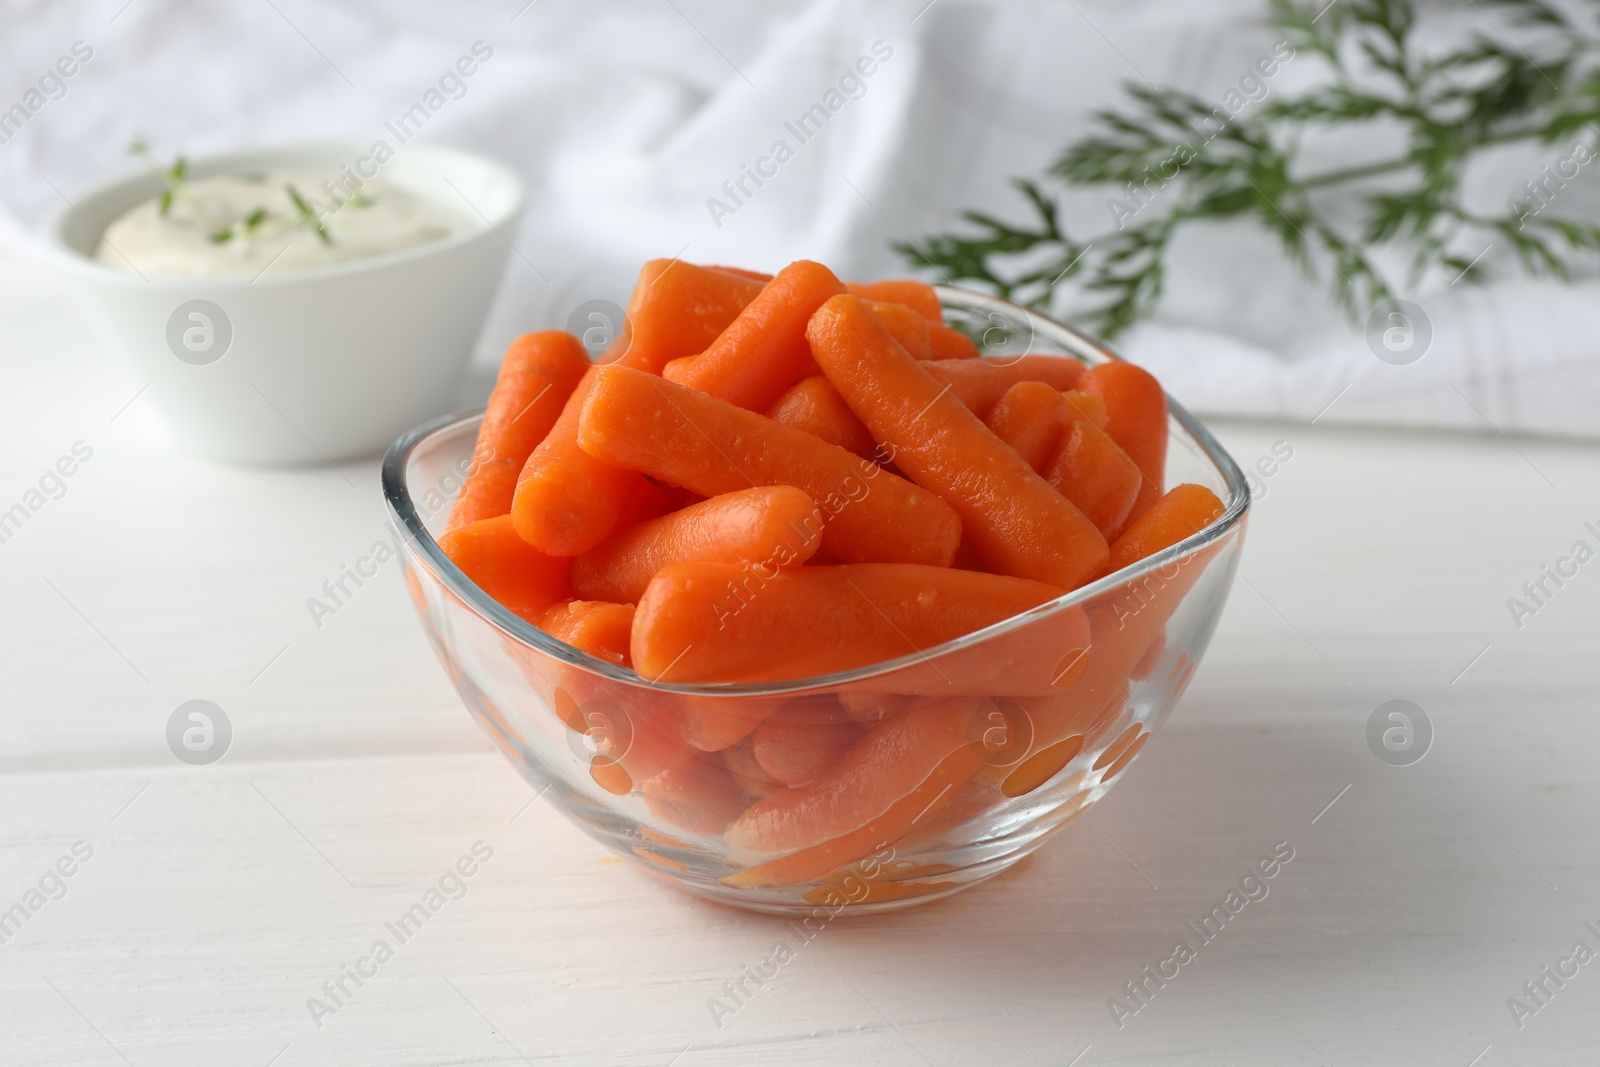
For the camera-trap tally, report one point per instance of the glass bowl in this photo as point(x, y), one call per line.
point(960, 759)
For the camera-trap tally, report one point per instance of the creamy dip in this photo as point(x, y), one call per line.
point(242, 224)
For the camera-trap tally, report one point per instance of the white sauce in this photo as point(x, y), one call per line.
point(244, 224)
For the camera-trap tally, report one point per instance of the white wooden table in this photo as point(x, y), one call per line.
point(218, 899)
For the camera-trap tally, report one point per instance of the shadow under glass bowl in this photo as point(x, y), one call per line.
point(1000, 738)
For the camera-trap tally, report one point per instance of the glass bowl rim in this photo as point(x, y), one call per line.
point(1078, 344)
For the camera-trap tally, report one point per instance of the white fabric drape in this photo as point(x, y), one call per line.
point(638, 121)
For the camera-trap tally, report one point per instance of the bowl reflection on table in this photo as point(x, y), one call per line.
point(1047, 709)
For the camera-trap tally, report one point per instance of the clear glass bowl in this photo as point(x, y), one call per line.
point(1039, 715)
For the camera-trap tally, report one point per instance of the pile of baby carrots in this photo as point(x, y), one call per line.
point(778, 477)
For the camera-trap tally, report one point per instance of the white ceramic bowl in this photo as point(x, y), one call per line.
point(305, 365)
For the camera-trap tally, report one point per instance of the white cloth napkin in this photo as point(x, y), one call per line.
point(628, 119)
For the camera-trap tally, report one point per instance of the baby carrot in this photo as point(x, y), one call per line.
point(698, 794)
point(881, 790)
point(651, 501)
point(1185, 510)
point(796, 743)
point(753, 275)
point(510, 570)
point(1123, 627)
point(918, 296)
point(869, 709)
point(644, 423)
point(740, 759)
point(539, 372)
point(567, 502)
point(1014, 521)
point(600, 629)
point(772, 525)
point(713, 723)
point(678, 309)
point(980, 383)
point(966, 557)
point(947, 342)
point(633, 744)
point(764, 351)
point(1136, 419)
point(1031, 418)
point(906, 326)
point(677, 369)
point(726, 622)
point(1087, 406)
point(817, 408)
point(1092, 472)
point(905, 292)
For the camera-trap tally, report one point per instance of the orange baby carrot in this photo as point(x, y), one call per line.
point(797, 743)
point(724, 622)
point(918, 296)
point(539, 372)
point(677, 369)
point(505, 566)
point(966, 557)
point(632, 744)
point(740, 759)
point(709, 446)
point(1185, 510)
point(881, 790)
point(1031, 418)
point(773, 525)
point(817, 408)
point(753, 275)
point(678, 309)
point(600, 629)
point(651, 501)
point(1092, 472)
point(869, 709)
point(1015, 522)
point(567, 502)
point(1136, 419)
point(906, 326)
point(980, 383)
point(764, 351)
point(712, 723)
point(947, 342)
point(1123, 626)
point(698, 794)
point(1087, 406)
